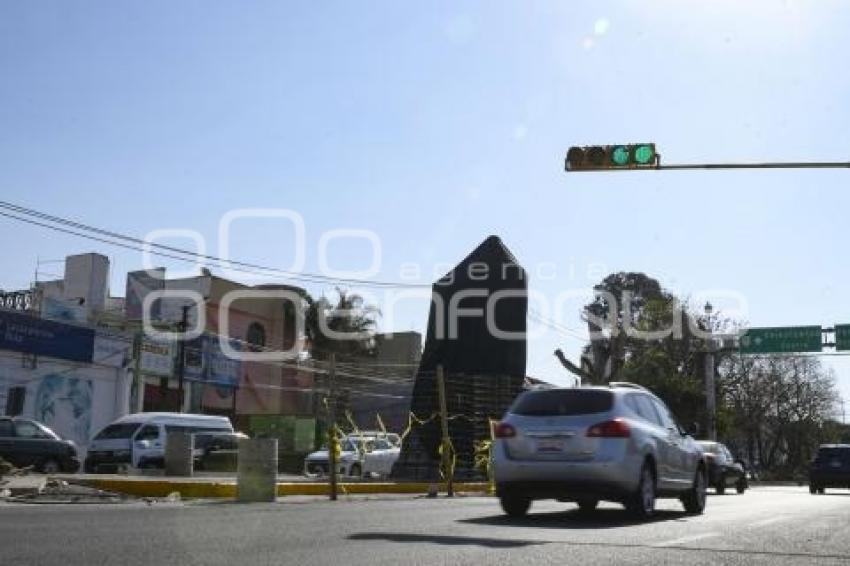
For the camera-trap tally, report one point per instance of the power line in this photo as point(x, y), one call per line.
point(191, 256)
point(552, 325)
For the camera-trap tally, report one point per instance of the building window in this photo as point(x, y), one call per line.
point(15, 401)
point(256, 335)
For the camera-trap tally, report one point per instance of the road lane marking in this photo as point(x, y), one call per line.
point(684, 540)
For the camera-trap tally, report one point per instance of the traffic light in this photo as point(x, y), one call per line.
point(602, 157)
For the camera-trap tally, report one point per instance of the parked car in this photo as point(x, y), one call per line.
point(391, 437)
point(723, 470)
point(217, 450)
point(617, 443)
point(830, 468)
point(25, 442)
point(138, 440)
point(360, 456)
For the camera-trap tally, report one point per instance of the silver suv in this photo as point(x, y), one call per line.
point(617, 443)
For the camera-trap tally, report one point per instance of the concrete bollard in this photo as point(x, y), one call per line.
point(257, 470)
point(178, 454)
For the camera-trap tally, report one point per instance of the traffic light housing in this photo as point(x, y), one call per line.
point(604, 157)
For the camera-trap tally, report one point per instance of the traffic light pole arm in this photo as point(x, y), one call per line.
point(785, 165)
point(713, 166)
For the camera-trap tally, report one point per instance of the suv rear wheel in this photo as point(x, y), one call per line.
point(642, 503)
point(515, 505)
point(694, 499)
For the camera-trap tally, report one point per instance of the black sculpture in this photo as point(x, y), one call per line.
point(477, 333)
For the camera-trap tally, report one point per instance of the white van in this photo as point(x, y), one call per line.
point(138, 440)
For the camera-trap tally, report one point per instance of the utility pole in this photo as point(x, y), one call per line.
point(445, 443)
point(181, 356)
point(138, 383)
point(333, 441)
point(710, 401)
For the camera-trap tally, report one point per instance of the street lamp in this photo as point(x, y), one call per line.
point(710, 402)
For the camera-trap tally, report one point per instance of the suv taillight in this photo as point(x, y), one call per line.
point(615, 428)
point(504, 430)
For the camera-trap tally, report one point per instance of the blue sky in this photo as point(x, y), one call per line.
point(436, 124)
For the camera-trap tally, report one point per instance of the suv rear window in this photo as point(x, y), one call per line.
point(562, 402)
point(833, 453)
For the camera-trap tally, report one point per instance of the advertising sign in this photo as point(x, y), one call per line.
point(24, 333)
point(206, 362)
point(111, 351)
point(157, 358)
point(220, 369)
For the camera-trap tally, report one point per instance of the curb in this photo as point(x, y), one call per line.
point(207, 490)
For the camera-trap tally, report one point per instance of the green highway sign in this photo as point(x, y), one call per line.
point(784, 339)
point(842, 337)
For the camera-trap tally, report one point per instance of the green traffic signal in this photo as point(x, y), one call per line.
point(620, 155)
point(644, 154)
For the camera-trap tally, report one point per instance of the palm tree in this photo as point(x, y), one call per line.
point(346, 328)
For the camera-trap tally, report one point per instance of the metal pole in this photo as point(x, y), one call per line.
point(332, 439)
point(786, 165)
point(445, 459)
point(710, 401)
point(181, 357)
point(717, 166)
point(710, 404)
point(138, 383)
point(233, 402)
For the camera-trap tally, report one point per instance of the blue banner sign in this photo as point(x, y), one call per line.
point(24, 333)
point(206, 362)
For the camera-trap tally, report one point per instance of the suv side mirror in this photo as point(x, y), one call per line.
point(693, 430)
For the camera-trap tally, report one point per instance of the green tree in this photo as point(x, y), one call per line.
point(345, 327)
point(620, 303)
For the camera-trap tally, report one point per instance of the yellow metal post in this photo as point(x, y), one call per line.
point(446, 443)
point(333, 441)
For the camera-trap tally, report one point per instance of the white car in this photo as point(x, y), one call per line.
point(391, 437)
point(361, 456)
point(589, 444)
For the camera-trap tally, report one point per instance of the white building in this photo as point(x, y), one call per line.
point(55, 367)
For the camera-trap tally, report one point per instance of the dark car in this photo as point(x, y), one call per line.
point(723, 470)
point(830, 468)
point(24, 443)
point(217, 451)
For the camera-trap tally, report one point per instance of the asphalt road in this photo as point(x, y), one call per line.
point(771, 525)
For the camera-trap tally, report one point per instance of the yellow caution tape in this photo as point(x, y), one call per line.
point(413, 419)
